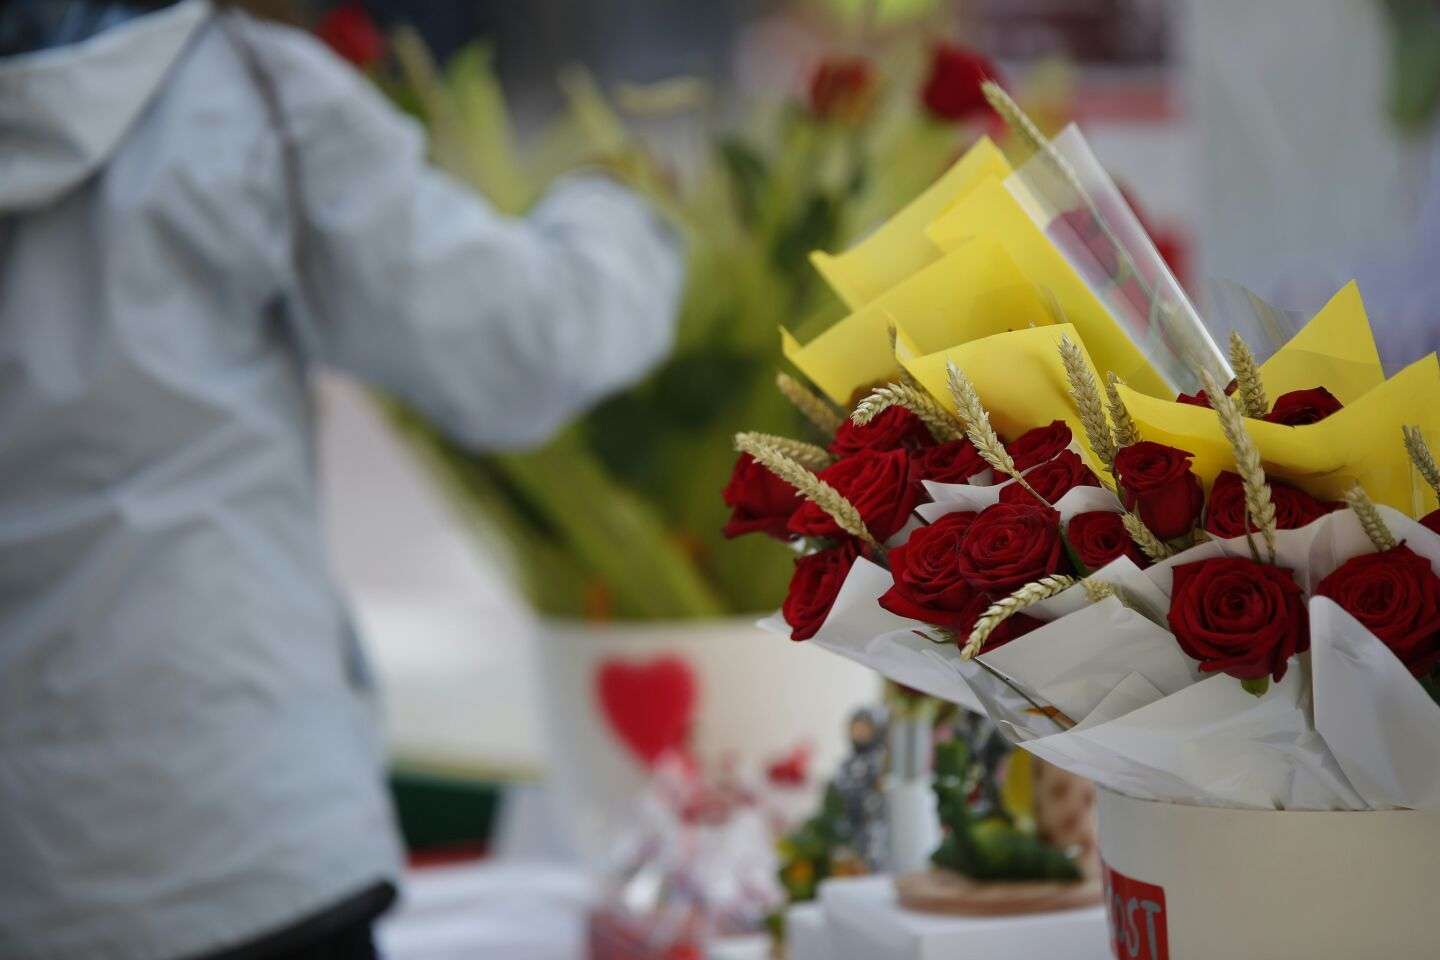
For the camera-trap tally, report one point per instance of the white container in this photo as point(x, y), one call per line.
point(759, 697)
point(1196, 883)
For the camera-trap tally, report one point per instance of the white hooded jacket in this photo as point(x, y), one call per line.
point(186, 753)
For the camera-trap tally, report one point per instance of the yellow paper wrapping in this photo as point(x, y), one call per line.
point(974, 291)
point(990, 211)
point(1019, 377)
point(1360, 444)
point(1335, 349)
point(899, 247)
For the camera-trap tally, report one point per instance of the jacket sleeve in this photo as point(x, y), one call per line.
point(499, 328)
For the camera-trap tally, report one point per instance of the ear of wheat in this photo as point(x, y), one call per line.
point(1085, 392)
point(1258, 504)
point(978, 428)
point(1247, 377)
point(1370, 519)
point(1126, 433)
point(822, 415)
point(942, 426)
point(1419, 452)
point(1005, 608)
point(1149, 544)
point(808, 455)
point(811, 487)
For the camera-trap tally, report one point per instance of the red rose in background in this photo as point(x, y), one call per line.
point(759, 501)
point(841, 88)
point(1238, 616)
point(952, 90)
point(953, 462)
point(1157, 484)
point(1431, 521)
point(1099, 537)
point(1052, 480)
point(1034, 447)
point(814, 587)
point(1225, 512)
point(1011, 544)
point(882, 486)
point(928, 585)
point(350, 31)
point(894, 429)
point(1299, 407)
point(1396, 596)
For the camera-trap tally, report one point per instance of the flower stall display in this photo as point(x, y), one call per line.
point(1185, 574)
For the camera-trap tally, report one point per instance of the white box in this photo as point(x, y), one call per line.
point(1196, 883)
point(863, 921)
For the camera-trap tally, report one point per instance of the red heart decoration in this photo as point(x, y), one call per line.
point(648, 705)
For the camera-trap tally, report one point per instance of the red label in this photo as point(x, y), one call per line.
point(1136, 912)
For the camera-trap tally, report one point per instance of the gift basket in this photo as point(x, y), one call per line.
point(1039, 488)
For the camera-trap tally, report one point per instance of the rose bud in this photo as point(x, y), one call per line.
point(1156, 483)
point(1431, 521)
point(1396, 596)
point(952, 89)
point(1034, 447)
point(814, 587)
point(882, 486)
point(841, 88)
point(954, 462)
point(1099, 537)
point(1011, 544)
point(759, 501)
point(1225, 515)
point(1052, 480)
point(894, 429)
point(1299, 407)
point(1238, 616)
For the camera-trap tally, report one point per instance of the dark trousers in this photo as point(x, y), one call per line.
point(340, 932)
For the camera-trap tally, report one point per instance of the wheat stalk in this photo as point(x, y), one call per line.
point(1419, 451)
point(808, 455)
point(1247, 377)
point(1126, 433)
point(1258, 504)
point(1370, 519)
point(1149, 544)
point(811, 487)
point(1005, 608)
point(1098, 590)
point(942, 426)
point(978, 428)
point(1086, 394)
point(812, 407)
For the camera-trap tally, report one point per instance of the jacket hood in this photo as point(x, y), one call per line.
point(63, 111)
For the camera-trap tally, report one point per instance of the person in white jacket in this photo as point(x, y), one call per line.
point(196, 208)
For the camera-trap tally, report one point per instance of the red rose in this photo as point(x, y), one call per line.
point(1299, 407)
point(1011, 544)
point(953, 462)
point(1396, 596)
point(1238, 616)
point(1157, 483)
point(759, 501)
point(1225, 512)
point(1201, 399)
point(1431, 521)
point(1034, 447)
point(841, 88)
point(1098, 537)
point(1052, 480)
point(928, 585)
point(350, 31)
point(952, 90)
point(894, 429)
point(814, 587)
point(882, 486)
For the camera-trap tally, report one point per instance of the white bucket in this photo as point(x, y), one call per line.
point(759, 697)
point(1200, 883)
